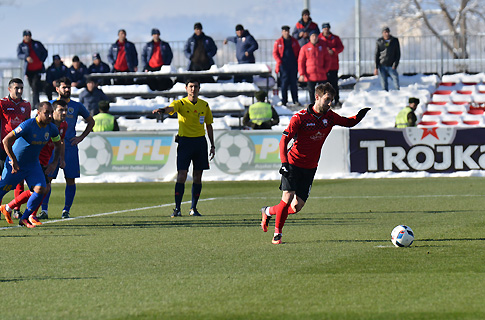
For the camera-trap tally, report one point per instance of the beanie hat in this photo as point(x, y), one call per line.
point(326, 25)
point(155, 31)
point(198, 25)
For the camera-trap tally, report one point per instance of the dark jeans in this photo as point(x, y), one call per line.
point(158, 83)
point(288, 79)
point(311, 88)
point(35, 84)
point(48, 89)
point(384, 73)
point(332, 77)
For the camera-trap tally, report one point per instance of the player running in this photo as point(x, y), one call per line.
point(308, 128)
point(23, 146)
point(46, 154)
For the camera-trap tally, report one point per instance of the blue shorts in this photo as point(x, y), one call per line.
point(192, 150)
point(72, 169)
point(33, 175)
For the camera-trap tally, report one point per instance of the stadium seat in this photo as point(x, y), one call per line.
point(432, 113)
point(456, 109)
point(450, 122)
point(427, 123)
point(473, 120)
point(466, 92)
point(437, 103)
point(476, 111)
point(447, 84)
point(442, 92)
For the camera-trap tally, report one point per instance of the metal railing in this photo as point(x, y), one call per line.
point(419, 54)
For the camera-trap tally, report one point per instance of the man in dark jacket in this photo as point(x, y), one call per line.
point(157, 53)
point(123, 56)
point(33, 53)
point(77, 73)
point(245, 47)
point(388, 53)
point(91, 96)
point(200, 50)
point(55, 71)
point(303, 28)
point(99, 66)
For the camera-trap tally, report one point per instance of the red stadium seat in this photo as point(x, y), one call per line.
point(475, 111)
point(447, 84)
point(443, 92)
point(471, 122)
point(450, 122)
point(432, 113)
point(427, 123)
point(463, 92)
point(440, 103)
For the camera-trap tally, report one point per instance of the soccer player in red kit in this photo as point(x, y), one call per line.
point(58, 118)
point(308, 128)
point(13, 111)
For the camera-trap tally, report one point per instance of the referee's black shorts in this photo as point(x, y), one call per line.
point(192, 150)
point(300, 180)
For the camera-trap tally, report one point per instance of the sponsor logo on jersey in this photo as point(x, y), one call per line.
point(46, 136)
point(70, 110)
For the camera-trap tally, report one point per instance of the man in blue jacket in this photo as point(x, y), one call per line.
point(123, 56)
point(55, 71)
point(33, 53)
point(157, 53)
point(99, 66)
point(200, 50)
point(77, 73)
point(245, 47)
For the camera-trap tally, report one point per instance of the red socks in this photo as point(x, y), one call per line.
point(20, 199)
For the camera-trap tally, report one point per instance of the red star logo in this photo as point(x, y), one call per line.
point(428, 131)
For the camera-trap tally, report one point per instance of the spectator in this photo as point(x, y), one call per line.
point(388, 53)
point(334, 47)
point(406, 117)
point(200, 49)
point(157, 53)
point(55, 71)
point(285, 52)
point(77, 73)
point(303, 28)
point(261, 115)
point(313, 63)
point(99, 66)
point(123, 56)
point(33, 53)
point(245, 47)
point(91, 97)
point(104, 121)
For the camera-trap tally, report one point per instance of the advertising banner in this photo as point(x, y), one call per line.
point(433, 150)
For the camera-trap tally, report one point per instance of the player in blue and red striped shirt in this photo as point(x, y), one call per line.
point(308, 129)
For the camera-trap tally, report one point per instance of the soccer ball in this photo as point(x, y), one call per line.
point(94, 155)
point(235, 152)
point(402, 236)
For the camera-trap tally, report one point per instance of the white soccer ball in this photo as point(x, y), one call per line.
point(94, 155)
point(402, 236)
point(234, 153)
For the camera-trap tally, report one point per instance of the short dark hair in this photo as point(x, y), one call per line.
point(44, 104)
point(323, 88)
point(15, 80)
point(192, 80)
point(260, 95)
point(59, 102)
point(65, 80)
point(103, 105)
point(305, 12)
point(75, 59)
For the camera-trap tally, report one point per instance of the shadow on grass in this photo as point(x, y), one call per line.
point(191, 222)
point(36, 278)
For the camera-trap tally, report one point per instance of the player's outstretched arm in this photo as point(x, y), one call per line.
point(361, 114)
point(163, 110)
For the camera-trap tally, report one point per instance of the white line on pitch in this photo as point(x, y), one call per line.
point(110, 213)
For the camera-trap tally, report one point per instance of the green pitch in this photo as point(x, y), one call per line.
point(132, 261)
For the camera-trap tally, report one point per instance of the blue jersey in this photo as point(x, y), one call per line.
point(31, 138)
point(74, 109)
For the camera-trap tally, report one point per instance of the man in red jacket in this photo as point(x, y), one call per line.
point(285, 53)
point(334, 47)
point(313, 63)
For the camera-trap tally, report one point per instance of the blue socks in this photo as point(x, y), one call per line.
point(69, 193)
point(45, 202)
point(34, 201)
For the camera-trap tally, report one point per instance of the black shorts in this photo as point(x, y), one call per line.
point(300, 180)
point(44, 168)
point(3, 157)
point(192, 150)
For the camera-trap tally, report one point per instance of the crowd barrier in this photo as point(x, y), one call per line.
point(254, 155)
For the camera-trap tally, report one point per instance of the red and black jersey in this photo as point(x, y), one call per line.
point(12, 113)
point(46, 152)
point(309, 131)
